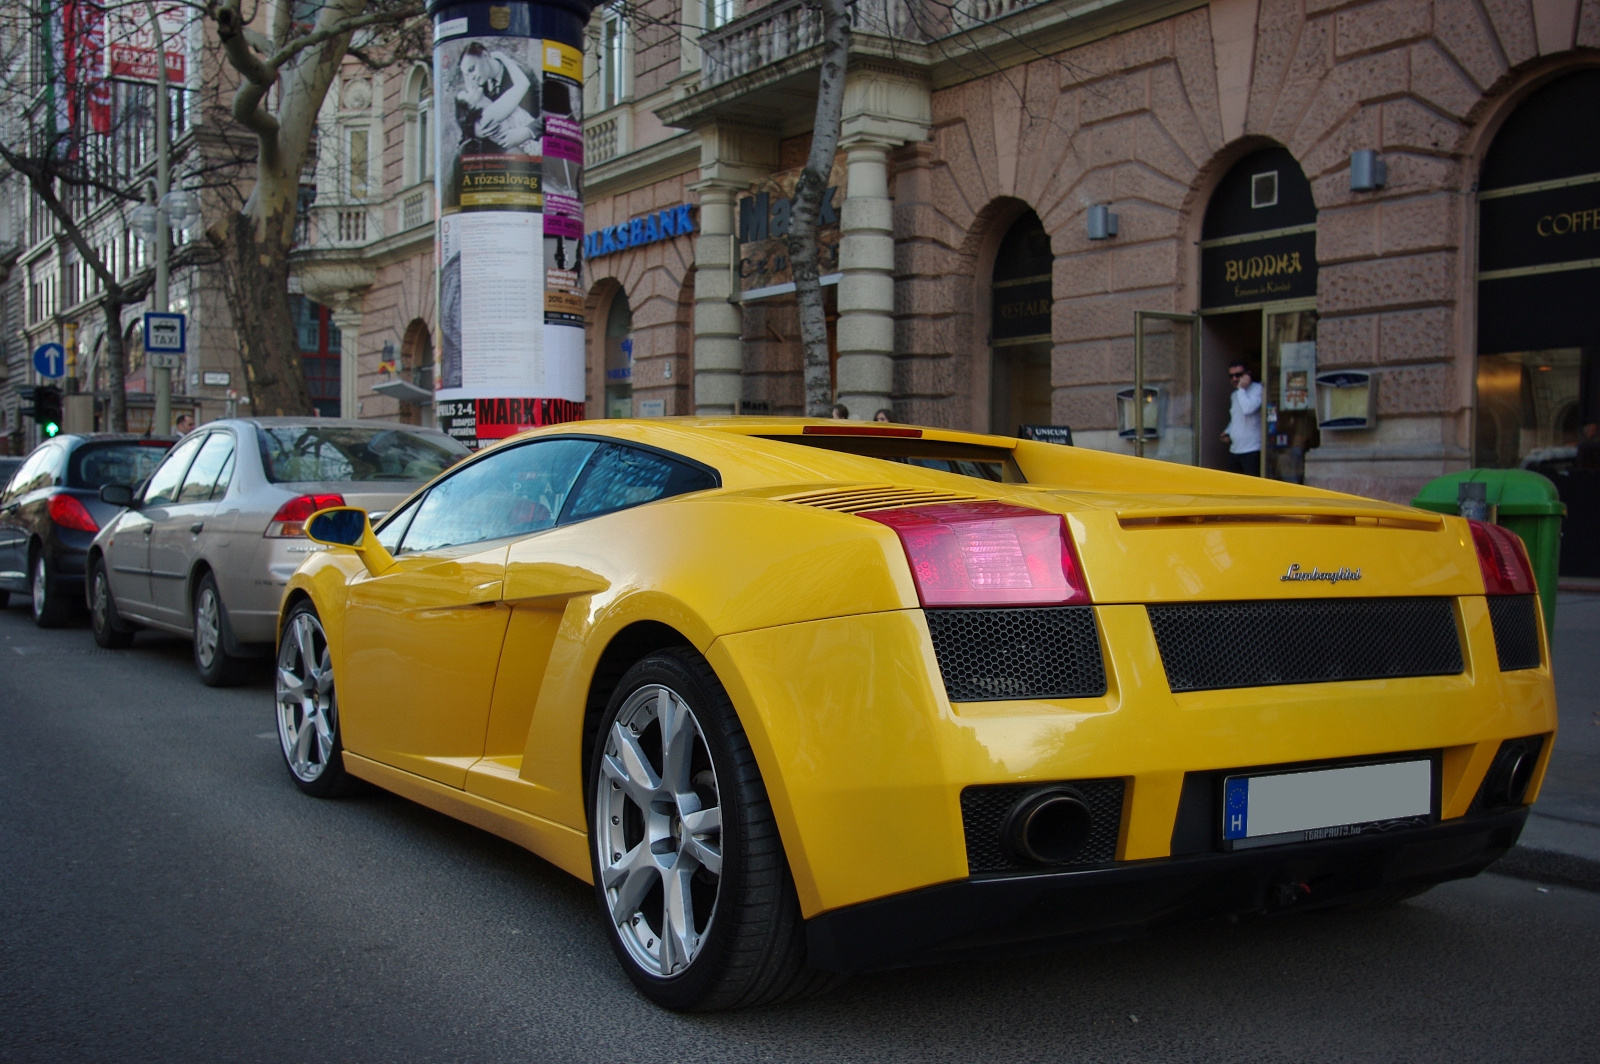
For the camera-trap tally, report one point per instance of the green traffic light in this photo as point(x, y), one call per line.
point(51, 428)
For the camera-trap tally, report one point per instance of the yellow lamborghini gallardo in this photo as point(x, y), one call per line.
point(806, 697)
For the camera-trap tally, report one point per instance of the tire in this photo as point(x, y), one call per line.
point(734, 935)
point(217, 668)
point(308, 708)
point(50, 607)
point(110, 630)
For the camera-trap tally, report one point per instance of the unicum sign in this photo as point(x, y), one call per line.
point(645, 229)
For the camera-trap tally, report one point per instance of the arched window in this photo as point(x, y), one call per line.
point(1019, 332)
point(418, 104)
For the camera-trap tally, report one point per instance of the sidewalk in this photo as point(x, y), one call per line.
point(1561, 843)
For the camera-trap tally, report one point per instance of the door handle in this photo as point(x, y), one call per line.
point(196, 527)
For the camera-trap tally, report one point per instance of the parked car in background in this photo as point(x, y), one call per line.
point(51, 510)
point(205, 549)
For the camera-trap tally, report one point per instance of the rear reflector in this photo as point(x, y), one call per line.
point(67, 512)
point(988, 554)
point(290, 520)
point(1503, 559)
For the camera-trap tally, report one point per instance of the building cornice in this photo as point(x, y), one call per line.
point(677, 155)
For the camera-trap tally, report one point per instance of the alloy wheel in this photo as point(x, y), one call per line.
point(39, 588)
point(306, 708)
point(207, 625)
point(100, 601)
point(658, 830)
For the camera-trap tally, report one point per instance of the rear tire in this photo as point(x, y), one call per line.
point(308, 707)
point(110, 630)
point(50, 607)
point(216, 666)
point(690, 875)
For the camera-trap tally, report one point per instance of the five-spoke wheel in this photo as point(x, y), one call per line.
point(689, 872)
point(308, 715)
point(660, 830)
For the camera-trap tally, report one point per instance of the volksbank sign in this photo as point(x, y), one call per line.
point(646, 229)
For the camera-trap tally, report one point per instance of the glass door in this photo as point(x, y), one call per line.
point(1288, 379)
point(1161, 413)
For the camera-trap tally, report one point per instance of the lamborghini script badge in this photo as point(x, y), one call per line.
point(1329, 576)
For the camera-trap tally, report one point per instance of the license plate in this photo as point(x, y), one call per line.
point(1325, 804)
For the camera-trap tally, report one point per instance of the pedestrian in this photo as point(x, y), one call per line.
point(1244, 423)
point(839, 412)
point(882, 415)
point(183, 424)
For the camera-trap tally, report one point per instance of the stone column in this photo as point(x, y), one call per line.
point(718, 351)
point(346, 317)
point(866, 289)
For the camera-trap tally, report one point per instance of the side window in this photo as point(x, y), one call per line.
point(394, 527)
point(165, 481)
point(509, 493)
point(618, 477)
point(208, 477)
point(22, 480)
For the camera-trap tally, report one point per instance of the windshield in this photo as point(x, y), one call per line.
point(94, 465)
point(967, 459)
point(299, 453)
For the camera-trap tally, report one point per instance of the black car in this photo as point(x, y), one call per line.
point(51, 510)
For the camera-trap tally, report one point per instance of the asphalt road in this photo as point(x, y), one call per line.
point(167, 895)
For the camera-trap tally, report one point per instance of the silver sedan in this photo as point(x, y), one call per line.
point(207, 543)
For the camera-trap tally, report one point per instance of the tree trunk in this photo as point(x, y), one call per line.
point(117, 364)
point(257, 285)
point(808, 193)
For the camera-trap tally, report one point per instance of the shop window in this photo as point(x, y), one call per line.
point(319, 343)
point(619, 357)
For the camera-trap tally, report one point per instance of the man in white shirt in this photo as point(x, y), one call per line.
point(1244, 421)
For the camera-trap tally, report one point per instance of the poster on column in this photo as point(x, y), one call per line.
point(510, 147)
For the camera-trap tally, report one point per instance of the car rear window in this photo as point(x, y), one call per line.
point(299, 453)
point(94, 465)
point(967, 459)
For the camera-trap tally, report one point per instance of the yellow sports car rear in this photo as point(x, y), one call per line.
point(803, 698)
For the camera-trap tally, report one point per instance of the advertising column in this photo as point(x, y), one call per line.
point(508, 92)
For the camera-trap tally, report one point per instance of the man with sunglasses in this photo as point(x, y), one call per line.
point(1244, 422)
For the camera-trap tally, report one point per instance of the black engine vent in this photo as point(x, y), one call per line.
point(1516, 630)
point(986, 810)
point(1211, 645)
point(991, 654)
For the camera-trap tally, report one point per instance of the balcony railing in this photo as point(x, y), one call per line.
point(355, 225)
point(600, 140)
point(970, 13)
point(778, 31)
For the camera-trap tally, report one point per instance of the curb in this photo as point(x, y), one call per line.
point(1549, 866)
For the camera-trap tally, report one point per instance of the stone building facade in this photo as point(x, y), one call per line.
point(1034, 211)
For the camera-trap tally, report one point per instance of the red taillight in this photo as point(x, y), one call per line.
point(67, 512)
point(988, 554)
point(1503, 559)
point(290, 520)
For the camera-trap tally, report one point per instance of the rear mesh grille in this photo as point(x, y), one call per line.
point(1212, 645)
point(983, 815)
point(991, 654)
point(1516, 631)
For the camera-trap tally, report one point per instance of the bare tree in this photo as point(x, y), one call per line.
point(808, 193)
point(284, 76)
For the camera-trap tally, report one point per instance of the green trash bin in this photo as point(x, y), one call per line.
point(1521, 500)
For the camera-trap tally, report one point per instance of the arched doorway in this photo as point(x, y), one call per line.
point(1258, 299)
point(1019, 331)
point(1538, 371)
point(619, 357)
point(416, 367)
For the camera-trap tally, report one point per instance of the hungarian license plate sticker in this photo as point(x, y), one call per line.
point(1326, 803)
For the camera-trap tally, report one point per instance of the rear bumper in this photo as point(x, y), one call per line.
point(987, 915)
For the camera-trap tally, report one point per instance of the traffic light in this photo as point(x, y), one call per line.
point(43, 404)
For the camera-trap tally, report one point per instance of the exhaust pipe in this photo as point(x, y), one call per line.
point(1048, 827)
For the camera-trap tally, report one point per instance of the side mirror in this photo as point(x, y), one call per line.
point(117, 494)
point(348, 526)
